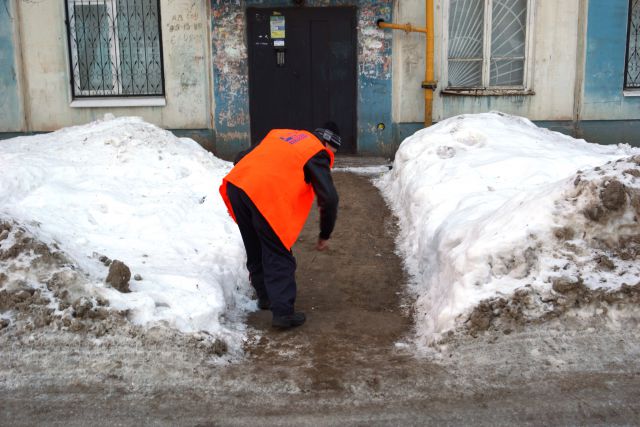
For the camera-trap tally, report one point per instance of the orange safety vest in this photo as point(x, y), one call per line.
point(272, 176)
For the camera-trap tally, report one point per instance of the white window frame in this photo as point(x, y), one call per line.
point(525, 89)
point(114, 48)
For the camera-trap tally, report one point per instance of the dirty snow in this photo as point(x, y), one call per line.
point(364, 170)
point(490, 205)
point(122, 189)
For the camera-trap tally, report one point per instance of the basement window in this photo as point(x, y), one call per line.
point(488, 44)
point(115, 50)
point(632, 63)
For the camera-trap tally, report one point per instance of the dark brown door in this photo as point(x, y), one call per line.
point(309, 80)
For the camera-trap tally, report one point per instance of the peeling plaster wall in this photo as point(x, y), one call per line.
point(374, 80)
point(230, 76)
point(11, 114)
point(231, 80)
point(185, 42)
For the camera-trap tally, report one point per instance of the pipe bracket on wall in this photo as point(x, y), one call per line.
point(408, 28)
point(429, 84)
point(433, 85)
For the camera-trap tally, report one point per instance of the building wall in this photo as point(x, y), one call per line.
point(11, 114)
point(408, 63)
point(605, 58)
point(47, 93)
point(206, 72)
point(231, 81)
point(555, 55)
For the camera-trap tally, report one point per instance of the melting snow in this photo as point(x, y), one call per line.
point(490, 203)
point(128, 190)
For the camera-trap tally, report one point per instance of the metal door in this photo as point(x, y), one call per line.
point(302, 70)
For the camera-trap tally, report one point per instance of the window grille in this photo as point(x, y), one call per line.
point(115, 48)
point(632, 65)
point(487, 43)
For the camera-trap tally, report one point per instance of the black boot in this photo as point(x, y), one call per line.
point(288, 321)
point(264, 304)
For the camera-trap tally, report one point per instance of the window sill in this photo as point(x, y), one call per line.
point(156, 101)
point(487, 92)
point(631, 92)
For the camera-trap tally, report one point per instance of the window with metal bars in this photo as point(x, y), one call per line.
point(487, 43)
point(115, 48)
point(632, 63)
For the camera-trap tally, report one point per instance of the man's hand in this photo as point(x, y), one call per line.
point(322, 244)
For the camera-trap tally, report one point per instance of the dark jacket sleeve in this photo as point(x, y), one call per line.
point(243, 153)
point(317, 172)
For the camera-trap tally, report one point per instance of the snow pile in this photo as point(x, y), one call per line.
point(499, 217)
point(122, 189)
point(363, 170)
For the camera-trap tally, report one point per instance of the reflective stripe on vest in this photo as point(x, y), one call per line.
point(272, 176)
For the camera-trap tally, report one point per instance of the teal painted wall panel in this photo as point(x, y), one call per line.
point(611, 131)
point(10, 112)
point(605, 58)
point(231, 74)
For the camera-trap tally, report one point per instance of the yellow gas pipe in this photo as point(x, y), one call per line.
point(405, 27)
point(429, 84)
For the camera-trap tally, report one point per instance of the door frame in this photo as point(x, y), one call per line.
point(354, 52)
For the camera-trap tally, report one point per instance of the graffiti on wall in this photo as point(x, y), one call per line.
point(374, 49)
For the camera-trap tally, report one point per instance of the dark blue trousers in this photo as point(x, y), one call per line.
point(271, 265)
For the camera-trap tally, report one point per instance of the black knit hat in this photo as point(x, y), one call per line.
point(330, 134)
